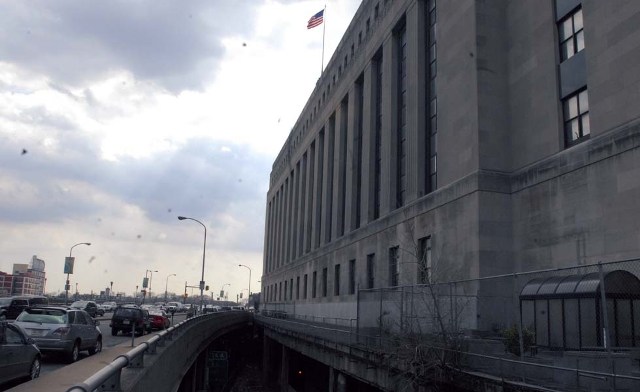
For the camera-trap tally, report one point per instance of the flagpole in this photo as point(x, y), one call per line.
point(324, 25)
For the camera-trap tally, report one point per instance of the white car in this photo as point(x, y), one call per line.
point(172, 307)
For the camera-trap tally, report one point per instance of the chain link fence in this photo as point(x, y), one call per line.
point(573, 328)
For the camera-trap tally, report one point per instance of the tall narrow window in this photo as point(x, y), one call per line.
point(324, 282)
point(314, 284)
point(303, 197)
point(291, 289)
point(431, 139)
point(357, 153)
point(394, 270)
point(576, 117)
point(304, 287)
point(319, 180)
point(329, 190)
point(371, 268)
point(401, 130)
point(297, 287)
point(377, 152)
point(352, 276)
point(296, 203)
point(285, 290)
point(336, 280)
point(571, 34)
point(424, 260)
point(280, 291)
point(342, 190)
point(310, 182)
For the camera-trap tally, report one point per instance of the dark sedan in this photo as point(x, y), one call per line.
point(19, 357)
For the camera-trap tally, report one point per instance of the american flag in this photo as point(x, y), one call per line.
point(316, 20)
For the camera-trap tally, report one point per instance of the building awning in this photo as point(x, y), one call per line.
point(618, 284)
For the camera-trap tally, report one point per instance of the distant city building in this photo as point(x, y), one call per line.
point(25, 279)
point(462, 139)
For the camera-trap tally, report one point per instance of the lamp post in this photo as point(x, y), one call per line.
point(165, 287)
point(148, 288)
point(204, 250)
point(69, 268)
point(242, 265)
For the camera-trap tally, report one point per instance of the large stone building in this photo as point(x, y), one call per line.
point(460, 139)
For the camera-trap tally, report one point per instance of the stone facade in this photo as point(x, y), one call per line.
point(448, 121)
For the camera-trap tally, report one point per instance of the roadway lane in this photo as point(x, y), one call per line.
point(52, 362)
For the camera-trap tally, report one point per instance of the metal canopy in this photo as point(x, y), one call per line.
point(618, 284)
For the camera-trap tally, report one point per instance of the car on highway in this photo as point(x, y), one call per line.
point(159, 319)
point(61, 330)
point(11, 307)
point(109, 306)
point(19, 356)
point(173, 307)
point(128, 318)
point(88, 306)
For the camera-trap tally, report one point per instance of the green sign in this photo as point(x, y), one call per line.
point(68, 265)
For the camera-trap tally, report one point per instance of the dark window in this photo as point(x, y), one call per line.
point(336, 280)
point(280, 291)
point(377, 170)
point(571, 34)
point(371, 261)
point(314, 284)
point(424, 259)
point(352, 276)
point(298, 287)
point(401, 130)
point(344, 106)
point(357, 153)
point(394, 271)
point(431, 147)
point(576, 117)
point(285, 289)
point(291, 289)
point(324, 282)
point(304, 287)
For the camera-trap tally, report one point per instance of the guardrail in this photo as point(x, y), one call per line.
point(517, 374)
point(108, 378)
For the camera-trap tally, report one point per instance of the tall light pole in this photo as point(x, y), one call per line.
point(204, 251)
point(165, 287)
point(148, 288)
point(69, 269)
point(242, 265)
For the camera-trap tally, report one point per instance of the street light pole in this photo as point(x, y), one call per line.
point(249, 295)
point(204, 251)
point(165, 287)
point(66, 286)
point(149, 287)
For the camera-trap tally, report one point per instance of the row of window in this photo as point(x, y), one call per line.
point(575, 107)
point(286, 291)
point(294, 140)
point(302, 192)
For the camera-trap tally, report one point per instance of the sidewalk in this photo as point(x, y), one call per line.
point(62, 379)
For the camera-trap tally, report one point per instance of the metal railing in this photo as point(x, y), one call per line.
point(109, 377)
point(350, 339)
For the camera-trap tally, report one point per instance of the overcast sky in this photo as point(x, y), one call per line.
point(118, 116)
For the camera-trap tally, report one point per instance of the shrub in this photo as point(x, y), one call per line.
point(512, 339)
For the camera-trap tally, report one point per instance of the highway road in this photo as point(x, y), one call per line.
point(54, 362)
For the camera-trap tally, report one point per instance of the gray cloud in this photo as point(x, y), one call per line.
point(200, 179)
point(173, 43)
